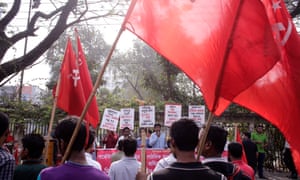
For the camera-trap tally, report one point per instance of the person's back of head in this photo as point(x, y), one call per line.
point(184, 133)
point(4, 124)
point(217, 136)
point(91, 140)
point(129, 146)
point(33, 146)
point(64, 132)
point(235, 150)
point(120, 145)
point(247, 135)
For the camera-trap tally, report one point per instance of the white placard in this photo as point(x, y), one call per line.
point(127, 118)
point(147, 116)
point(172, 113)
point(110, 119)
point(197, 112)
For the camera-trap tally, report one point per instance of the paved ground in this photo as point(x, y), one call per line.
point(275, 176)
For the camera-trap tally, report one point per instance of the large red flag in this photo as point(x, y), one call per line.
point(76, 85)
point(224, 46)
point(276, 96)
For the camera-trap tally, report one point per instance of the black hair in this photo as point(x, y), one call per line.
point(4, 123)
point(65, 129)
point(247, 134)
point(185, 134)
point(218, 137)
point(120, 145)
point(91, 139)
point(129, 146)
point(157, 124)
point(235, 150)
point(125, 128)
point(35, 145)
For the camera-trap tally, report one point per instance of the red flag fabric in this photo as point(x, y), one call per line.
point(76, 86)
point(224, 46)
point(239, 140)
point(276, 95)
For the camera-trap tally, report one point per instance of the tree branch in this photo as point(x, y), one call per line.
point(296, 11)
point(10, 15)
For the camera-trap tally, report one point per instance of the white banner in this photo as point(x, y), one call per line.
point(127, 118)
point(197, 113)
point(172, 113)
point(147, 116)
point(110, 119)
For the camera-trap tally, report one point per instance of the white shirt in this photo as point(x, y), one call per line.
point(124, 169)
point(92, 162)
point(164, 162)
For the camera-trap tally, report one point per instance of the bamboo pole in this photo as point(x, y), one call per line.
point(97, 83)
point(46, 160)
point(219, 82)
point(143, 151)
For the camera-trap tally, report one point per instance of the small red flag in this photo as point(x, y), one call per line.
point(239, 140)
point(75, 86)
point(224, 46)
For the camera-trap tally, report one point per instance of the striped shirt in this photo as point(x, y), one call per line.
point(7, 165)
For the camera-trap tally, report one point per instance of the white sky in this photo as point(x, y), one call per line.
point(39, 74)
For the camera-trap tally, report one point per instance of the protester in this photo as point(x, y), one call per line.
point(166, 161)
point(139, 139)
point(7, 161)
point(110, 140)
point(289, 162)
point(76, 166)
point(31, 155)
point(184, 139)
point(120, 153)
point(89, 150)
point(157, 138)
point(212, 152)
point(235, 153)
point(125, 134)
point(260, 139)
point(128, 166)
point(250, 150)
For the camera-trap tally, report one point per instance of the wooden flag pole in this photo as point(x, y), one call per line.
point(219, 82)
point(203, 135)
point(143, 151)
point(46, 160)
point(97, 83)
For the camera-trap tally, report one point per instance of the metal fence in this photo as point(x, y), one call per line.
point(245, 122)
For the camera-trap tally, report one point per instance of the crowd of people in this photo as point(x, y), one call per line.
point(183, 139)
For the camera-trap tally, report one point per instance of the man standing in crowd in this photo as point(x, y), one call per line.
point(33, 146)
point(128, 166)
point(288, 160)
point(260, 139)
point(76, 166)
point(7, 161)
point(212, 152)
point(89, 150)
point(157, 138)
point(235, 153)
point(125, 135)
point(250, 150)
point(184, 139)
point(166, 161)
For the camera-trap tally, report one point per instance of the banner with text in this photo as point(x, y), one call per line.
point(127, 118)
point(147, 116)
point(110, 119)
point(172, 113)
point(152, 157)
point(197, 113)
